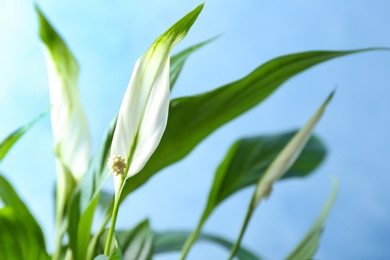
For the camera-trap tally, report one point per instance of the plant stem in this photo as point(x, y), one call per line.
point(243, 228)
point(191, 239)
point(113, 218)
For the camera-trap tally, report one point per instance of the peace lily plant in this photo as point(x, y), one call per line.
point(151, 132)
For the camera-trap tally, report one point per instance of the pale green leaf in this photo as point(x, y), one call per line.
point(10, 140)
point(307, 248)
point(135, 244)
point(287, 156)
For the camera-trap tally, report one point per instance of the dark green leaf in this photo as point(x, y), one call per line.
point(20, 236)
point(192, 119)
point(248, 158)
point(10, 140)
point(245, 164)
point(178, 60)
point(171, 241)
point(309, 244)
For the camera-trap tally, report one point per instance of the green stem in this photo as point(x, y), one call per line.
point(243, 228)
point(58, 239)
point(95, 237)
point(113, 218)
point(191, 239)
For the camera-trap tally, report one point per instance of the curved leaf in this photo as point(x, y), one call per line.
point(192, 119)
point(135, 244)
point(20, 236)
point(10, 140)
point(248, 158)
point(172, 241)
point(279, 166)
point(245, 164)
point(307, 248)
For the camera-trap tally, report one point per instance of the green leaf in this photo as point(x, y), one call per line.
point(116, 249)
point(136, 243)
point(178, 60)
point(279, 166)
point(171, 241)
point(245, 164)
point(20, 236)
point(192, 119)
point(307, 248)
point(248, 158)
point(85, 199)
point(10, 140)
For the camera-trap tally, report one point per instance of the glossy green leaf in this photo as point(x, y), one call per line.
point(172, 241)
point(192, 119)
point(279, 166)
point(307, 248)
point(245, 164)
point(10, 140)
point(178, 60)
point(20, 236)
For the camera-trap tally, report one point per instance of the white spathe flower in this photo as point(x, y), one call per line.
point(143, 114)
point(69, 123)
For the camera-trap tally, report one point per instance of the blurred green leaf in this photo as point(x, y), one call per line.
point(279, 166)
point(245, 164)
point(248, 158)
point(10, 140)
point(134, 244)
point(178, 60)
point(171, 241)
point(85, 199)
point(192, 119)
point(307, 248)
point(20, 236)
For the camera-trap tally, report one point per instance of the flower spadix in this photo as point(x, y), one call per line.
point(69, 124)
point(144, 111)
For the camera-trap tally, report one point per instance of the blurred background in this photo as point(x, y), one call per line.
point(107, 37)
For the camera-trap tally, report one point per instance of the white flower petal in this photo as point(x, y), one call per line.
point(144, 111)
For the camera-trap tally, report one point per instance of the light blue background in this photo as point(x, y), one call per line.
point(108, 36)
